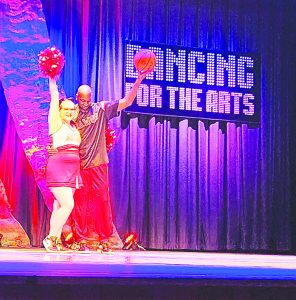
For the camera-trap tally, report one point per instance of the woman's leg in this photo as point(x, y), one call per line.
point(61, 230)
point(50, 241)
point(56, 206)
point(64, 197)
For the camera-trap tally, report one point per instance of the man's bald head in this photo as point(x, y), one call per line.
point(84, 89)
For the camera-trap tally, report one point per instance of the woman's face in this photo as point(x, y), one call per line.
point(67, 111)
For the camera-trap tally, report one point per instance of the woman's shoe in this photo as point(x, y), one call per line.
point(49, 244)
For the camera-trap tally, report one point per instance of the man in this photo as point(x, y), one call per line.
point(92, 202)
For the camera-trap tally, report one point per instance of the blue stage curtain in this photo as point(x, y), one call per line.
point(191, 184)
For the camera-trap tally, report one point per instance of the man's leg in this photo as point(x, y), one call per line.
point(102, 212)
point(79, 214)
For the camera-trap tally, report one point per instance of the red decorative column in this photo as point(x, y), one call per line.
point(23, 34)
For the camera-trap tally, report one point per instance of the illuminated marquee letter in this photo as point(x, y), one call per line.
point(196, 100)
point(210, 69)
point(224, 102)
point(180, 61)
point(229, 66)
point(155, 96)
point(159, 68)
point(143, 95)
point(172, 92)
point(185, 99)
point(194, 56)
point(236, 101)
point(212, 101)
point(250, 111)
point(130, 70)
point(245, 80)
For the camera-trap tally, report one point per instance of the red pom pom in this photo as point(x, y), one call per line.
point(145, 60)
point(110, 138)
point(51, 61)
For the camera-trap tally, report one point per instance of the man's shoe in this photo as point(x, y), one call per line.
point(104, 248)
point(74, 246)
point(83, 247)
point(60, 246)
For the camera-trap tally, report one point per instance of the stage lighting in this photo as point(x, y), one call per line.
point(131, 243)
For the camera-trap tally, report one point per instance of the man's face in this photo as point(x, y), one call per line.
point(83, 97)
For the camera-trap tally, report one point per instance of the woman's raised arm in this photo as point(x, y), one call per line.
point(54, 120)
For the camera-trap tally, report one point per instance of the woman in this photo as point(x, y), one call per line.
point(62, 172)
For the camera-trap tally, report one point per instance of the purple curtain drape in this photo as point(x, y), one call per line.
point(191, 184)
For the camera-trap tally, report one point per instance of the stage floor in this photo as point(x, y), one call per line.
point(195, 267)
